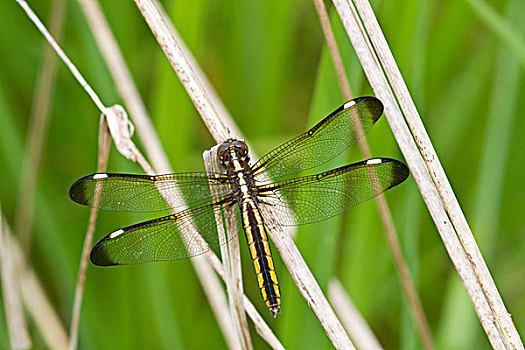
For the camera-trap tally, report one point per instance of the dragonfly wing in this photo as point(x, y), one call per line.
point(318, 197)
point(182, 235)
point(143, 193)
point(324, 141)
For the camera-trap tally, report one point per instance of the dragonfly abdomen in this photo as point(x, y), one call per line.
point(261, 255)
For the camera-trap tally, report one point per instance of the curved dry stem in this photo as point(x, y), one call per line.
point(72, 68)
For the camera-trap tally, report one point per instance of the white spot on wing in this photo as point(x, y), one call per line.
point(374, 161)
point(349, 104)
point(99, 176)
point(116, 233)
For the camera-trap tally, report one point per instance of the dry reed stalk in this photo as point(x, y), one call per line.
point(104, 144)
point(295, 264)
point(385, 78)
point(39, 307)
point(76, 73)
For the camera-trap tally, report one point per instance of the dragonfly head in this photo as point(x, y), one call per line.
point(233, 149)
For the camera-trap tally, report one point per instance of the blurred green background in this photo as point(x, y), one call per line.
point(463, 63)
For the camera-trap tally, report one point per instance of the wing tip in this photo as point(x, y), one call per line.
point(76, 190)
point(371, 103)
point(99, 256)
point(401, 168)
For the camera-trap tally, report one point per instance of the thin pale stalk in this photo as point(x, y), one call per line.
point(9, 276)
point(378, 81)
point(72, 68)
point(450, 201)
point(437, 198)
point(183, 70)
point(262, 327)
point(37, 134)
point(258, 321)
point(42, 312)
point(335, 55)
point(219, 303)
point(416, 308)
point(104, 144)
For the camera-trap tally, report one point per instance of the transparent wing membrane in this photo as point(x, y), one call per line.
point(143, 193)
point(185, 234)
point(324, 141)
point(319, 197)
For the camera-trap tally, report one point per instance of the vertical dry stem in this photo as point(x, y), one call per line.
point(384, 76)
point(104, 143)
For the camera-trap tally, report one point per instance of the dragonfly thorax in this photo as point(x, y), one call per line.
point(233, 153)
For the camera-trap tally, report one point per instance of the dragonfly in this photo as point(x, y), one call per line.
point(269, 182)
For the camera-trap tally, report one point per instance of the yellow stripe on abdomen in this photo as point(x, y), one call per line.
point(261, 256)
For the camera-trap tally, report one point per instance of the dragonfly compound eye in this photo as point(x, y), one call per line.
point(241, 148)
point(224, 151)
